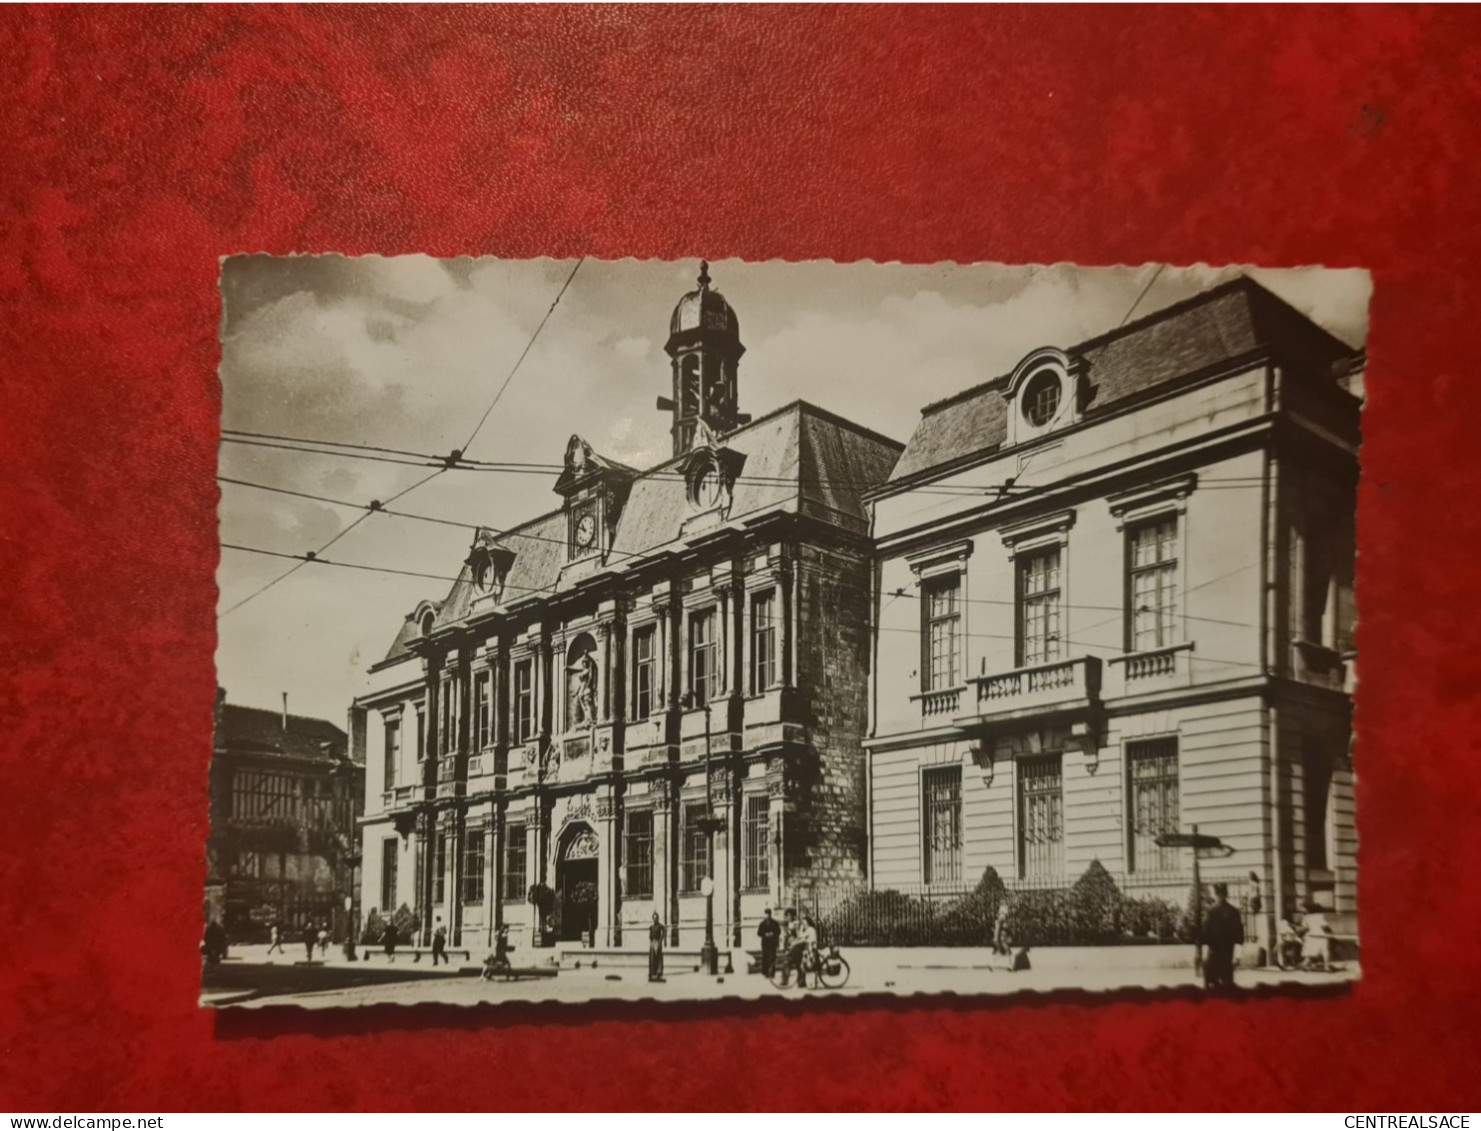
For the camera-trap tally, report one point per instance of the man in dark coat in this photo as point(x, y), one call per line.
point(655, 949)
point(770, 933)
point(310, 937)
point(1223, 930)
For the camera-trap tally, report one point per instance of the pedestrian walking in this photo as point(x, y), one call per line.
point(439, 943)
point(275, 940)
point(1223, 930)
point(655, 949)
point(389, 940)
point(770, 933)
point(310, 937)
point(323, 941)
point(214, 947)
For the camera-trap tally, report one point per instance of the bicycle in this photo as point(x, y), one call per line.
point(829, 970)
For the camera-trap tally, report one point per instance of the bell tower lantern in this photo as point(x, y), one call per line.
point(704, 343)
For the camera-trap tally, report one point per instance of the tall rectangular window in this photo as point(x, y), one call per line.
point(1041, 816)
point(390, 857)
point(1153, 770)
point(474, 841)
point(1152, 584)
point(421, 735)
point(696, 849)
point(524, 701)
point(1039, 609)
point(941, 789)
point(941, 607)
point(644, 671)
point(439, 868)
point(703, 653)
point(483, 700)
point(756, 872)
point(1316, 788)
point(763, 641)
point(637, 852)
point(514, 861)
point(393, 752)
point(444, 703)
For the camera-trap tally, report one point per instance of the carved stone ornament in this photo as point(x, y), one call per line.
point(583, 846)
point(531, 753)
point(606, 808)
point(578, 809)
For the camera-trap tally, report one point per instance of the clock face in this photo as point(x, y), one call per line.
point(586, 530)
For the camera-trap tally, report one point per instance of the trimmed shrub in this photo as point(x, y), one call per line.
point(1095, 902)
point(1151, 918)
point(374, 928)
point(405, 922)
point(969, 920)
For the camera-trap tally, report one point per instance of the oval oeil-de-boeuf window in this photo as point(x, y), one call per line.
point(1041, 398)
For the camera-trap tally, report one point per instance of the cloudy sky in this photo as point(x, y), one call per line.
point(407, 353)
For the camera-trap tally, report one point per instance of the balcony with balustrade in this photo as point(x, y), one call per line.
point(1064, 687)
point(1152, 670)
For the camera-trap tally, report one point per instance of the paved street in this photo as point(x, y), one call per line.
point(338, 984)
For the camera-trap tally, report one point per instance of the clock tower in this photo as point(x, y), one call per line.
point(705, 347)
point(595, 489)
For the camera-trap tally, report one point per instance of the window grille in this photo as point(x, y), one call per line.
point(514, 861)
point(757, 871)
point(942, 789)
point(1041, 816)
point(637, 853)
point(1153, 768)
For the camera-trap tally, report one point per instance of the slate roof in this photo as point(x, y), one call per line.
point(799, 460)
point(258, 731)
point(1239, 319)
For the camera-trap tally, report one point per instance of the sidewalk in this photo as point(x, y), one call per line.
point(902, 971)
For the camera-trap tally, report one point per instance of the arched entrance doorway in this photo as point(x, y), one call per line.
point(576, 883)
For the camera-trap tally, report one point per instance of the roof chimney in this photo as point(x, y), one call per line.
point(285, 712)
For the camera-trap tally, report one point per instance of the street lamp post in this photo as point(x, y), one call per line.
point(709, 954)
point(1198, 842)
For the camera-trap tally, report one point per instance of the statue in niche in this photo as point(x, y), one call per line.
point(581, 699)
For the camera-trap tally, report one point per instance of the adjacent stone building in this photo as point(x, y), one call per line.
point(285, 801)
point(1115, 600)
point(663, 644)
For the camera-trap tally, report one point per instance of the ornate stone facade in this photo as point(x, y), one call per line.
point(687, 640)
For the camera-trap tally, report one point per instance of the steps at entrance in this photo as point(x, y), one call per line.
point(676, 960)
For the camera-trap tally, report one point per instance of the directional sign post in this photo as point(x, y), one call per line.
point(1199, 843)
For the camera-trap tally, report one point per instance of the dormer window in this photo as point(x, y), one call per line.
point(1041, 397)
point(488, 565)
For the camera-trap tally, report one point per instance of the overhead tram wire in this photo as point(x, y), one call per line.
point(450, 461)
point(457, 462)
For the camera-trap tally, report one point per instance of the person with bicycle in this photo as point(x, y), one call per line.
point(808, 934)
point(794, 948)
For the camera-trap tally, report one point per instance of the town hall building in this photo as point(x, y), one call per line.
point(654, 692)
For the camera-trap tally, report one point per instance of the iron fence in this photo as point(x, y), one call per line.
point(1100, 908)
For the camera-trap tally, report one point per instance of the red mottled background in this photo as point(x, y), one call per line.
point(141, 144)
